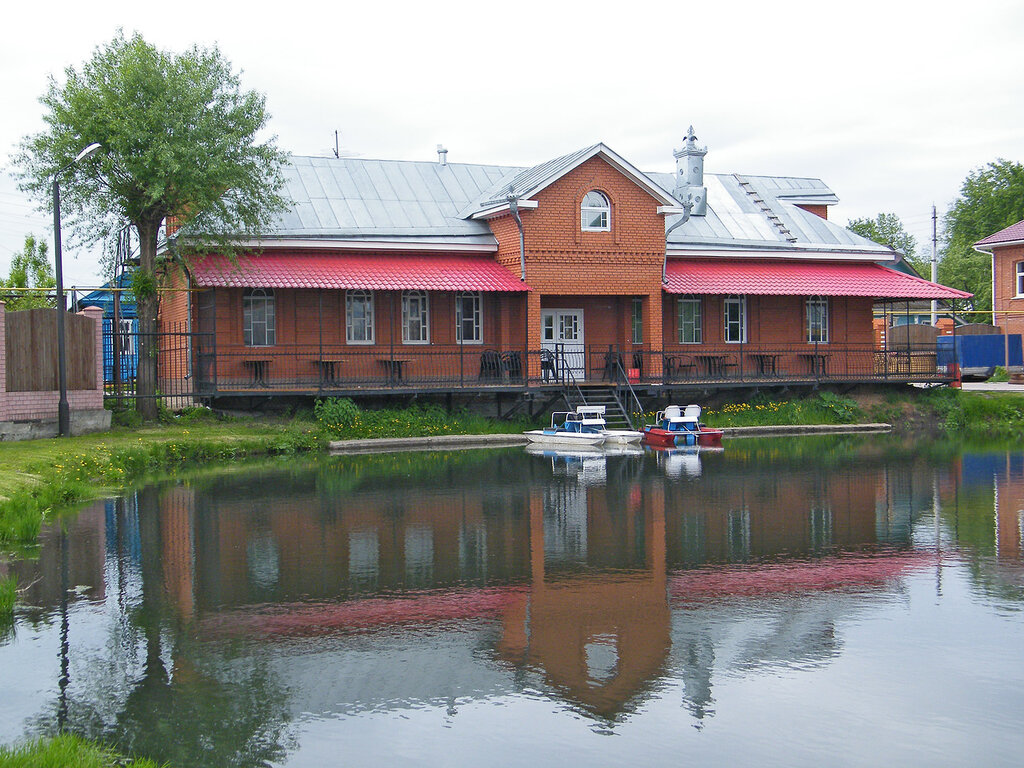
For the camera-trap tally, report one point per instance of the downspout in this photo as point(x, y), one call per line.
point(688, 206)
point(513, 207)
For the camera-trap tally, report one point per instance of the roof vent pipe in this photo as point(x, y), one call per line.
point(442, 155)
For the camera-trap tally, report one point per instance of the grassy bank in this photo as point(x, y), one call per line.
point(38, 478)
point(66, 750)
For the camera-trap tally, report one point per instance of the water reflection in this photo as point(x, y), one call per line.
point(214, 620)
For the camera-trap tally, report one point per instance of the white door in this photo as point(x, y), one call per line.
point(561, 331)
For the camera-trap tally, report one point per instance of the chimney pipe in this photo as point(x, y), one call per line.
point(442, 155)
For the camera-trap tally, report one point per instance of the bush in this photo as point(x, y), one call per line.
point(336, 414)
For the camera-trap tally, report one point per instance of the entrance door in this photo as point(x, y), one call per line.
point(561, 331)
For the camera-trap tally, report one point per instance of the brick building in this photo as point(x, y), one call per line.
point(438, 276)
point(1007, 250)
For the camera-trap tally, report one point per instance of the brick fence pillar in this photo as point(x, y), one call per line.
point(3, 363)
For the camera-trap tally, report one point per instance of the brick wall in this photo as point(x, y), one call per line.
point(1005, 299)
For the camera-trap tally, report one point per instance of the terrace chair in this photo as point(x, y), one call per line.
point(490, 364)
point(513, 364)
point(548, 365)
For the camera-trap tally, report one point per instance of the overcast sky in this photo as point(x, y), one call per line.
point(890, 103)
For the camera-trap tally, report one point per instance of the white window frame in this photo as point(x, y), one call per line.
point(816, 304)
point(366, 298)
point(696, 325)
point(587, 212)
point(1020, 280)
point(477, 319)
point(422, 315)
point(252, 298)
point(741, 303)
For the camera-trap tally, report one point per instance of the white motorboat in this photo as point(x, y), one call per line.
point(594, 414)
point(569, 428)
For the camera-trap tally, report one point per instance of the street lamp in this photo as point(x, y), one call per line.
point(63, 410)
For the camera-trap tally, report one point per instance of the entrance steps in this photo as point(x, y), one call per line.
point(614, 413)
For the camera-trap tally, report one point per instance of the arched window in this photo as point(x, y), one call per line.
point(258, 317)
point(415, 317)
point(817, 319)
point(596, 212)
point(359, 317)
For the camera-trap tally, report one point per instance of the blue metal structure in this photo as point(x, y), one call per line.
point(103, 298)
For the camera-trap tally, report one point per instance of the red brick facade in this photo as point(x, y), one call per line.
point(1006, 301)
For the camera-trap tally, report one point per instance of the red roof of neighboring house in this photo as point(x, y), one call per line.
point(1013, 233)
point(800, 278)
point(388, 272)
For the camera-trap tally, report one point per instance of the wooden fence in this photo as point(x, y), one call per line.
point(31, 346)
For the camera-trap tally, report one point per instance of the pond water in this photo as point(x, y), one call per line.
point(843, 601)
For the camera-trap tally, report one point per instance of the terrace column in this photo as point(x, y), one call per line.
point(533, 334)
point(654, 332)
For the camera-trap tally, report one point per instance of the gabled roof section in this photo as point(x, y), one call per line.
point(1012, 234)
point(762, 213)
point(527, 183)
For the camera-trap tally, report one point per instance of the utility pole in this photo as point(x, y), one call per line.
point(935, 260)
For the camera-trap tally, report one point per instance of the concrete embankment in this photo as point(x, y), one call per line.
point(435, 442)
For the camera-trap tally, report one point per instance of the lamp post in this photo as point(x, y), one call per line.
point(63, 410)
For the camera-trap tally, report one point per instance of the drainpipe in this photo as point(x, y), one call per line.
point(513, 207)
point(688, 206)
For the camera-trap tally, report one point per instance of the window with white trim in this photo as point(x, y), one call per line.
point(415, 317)
point(595, 212)
point(258, 317)
point(817, 319)
point(735, 314)
point(468, 325)
point(359, 317)
point(690, 320)
point(1020, 278)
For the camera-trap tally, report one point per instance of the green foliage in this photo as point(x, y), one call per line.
point(8, 594)
point(143, 285)
point(65, 750)
point(885, 229)
point(999, 375)
point(343, 420)
point(991, 199)
point(336, 415)
point(30, 269)
point(824, 408)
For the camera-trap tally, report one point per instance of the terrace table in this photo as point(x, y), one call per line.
point(674, 366)
point(257, 369)
point(328, 369)
point(766, 362)
point(817, 362)
point(713, 365)
point(393, 366)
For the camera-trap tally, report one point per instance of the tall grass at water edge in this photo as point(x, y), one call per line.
point(342, 419)
point(824, 408)
point(66, 750)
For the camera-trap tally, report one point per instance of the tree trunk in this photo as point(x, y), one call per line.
point(146, 309)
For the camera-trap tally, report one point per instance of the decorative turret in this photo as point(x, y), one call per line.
point(690, 174)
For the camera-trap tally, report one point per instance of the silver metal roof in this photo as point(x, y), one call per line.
point(354, 199)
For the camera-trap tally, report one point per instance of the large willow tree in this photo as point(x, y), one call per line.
point(179, 137)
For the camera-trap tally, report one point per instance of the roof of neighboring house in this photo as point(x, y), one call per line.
point(799, 278)
point(428, 204)
point(1012, 234)
point(103, 298)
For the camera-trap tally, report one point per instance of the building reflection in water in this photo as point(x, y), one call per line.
point(384, 582)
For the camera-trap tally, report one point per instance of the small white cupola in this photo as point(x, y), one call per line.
point(690, 175)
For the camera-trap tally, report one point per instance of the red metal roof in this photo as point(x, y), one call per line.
point(344, 271)
point(800, 278)
point(1013, 233)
